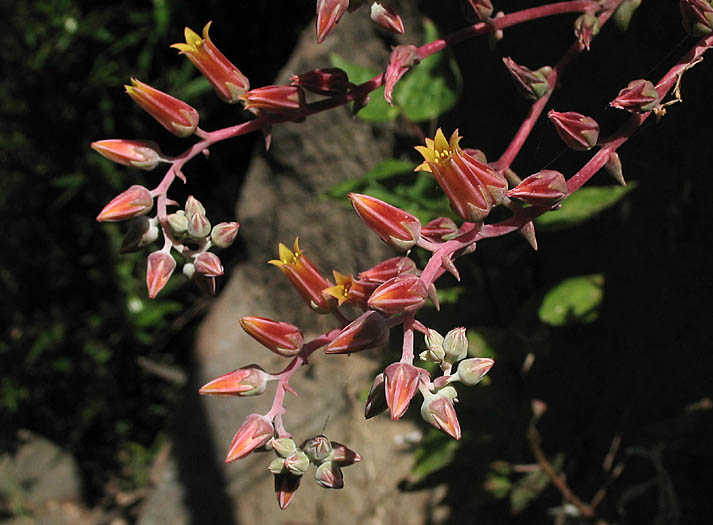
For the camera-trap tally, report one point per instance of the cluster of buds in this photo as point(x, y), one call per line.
point(330, 12)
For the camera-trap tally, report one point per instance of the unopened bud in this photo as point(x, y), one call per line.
point(576, 130)
point(402, 58)
point(405, 293)
point(455, 345)
point(397, 228)
point(133, 202)
point(286, 485)
point(640, 96)
point(329, 12)
point(141, 154)
point(401, 381)
point(546, 188)
point(247, 381)
point(160, 266)
point(274, 99)
point(376, 400)
point(193, 206)
point(223, 234)
point(283, 447)
point(297, 463)
point(329, 81)
point(343, 455)
point(284, 339)
point(697, 16)
point(317, 448)
point(532, 84)
point(438, 410)
point(276, 466)
point(389, 269)
point(385, 17)
point(369, 330)
point(329, 476)
point(586, 27)
point(175, 115)
point(440, 229)
point(255, 432)
point(471, 371)
point(208, 264)
point(178, 223)
point(198, 226)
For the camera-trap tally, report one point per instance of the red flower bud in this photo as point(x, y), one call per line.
point(369, 330)
point(286, 485)
point(159, 268)
point(329, 12)
point(208, 264)
point(133, 202)
point(329, 476)
point(389, 269)
point(577, 131)
point(142, 154)
point(405, 293)
point(697, 16)
point(397, 228)
point(284, 339)
point(342, 455)
point(330, 81)
point(531, 84)
point(275, 99)
point(586, 27)
point(640, 96)
point(247, 381)
point(175, 115)
point(223, 234)
point(402, 58)
point(385, 17)
point(255, 432)
point(438, 410)
point(401, 381)
point(439, 230)
point(545, 188)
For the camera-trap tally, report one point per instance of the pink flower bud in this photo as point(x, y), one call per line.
point(142, 154)
point(472, 187)
point(343, 456)
point(348, 290)
point(159, 268)
point(586, 27)
point(255, 432)
point(401, 60)
point(317, 448)
point(284, 339)
point(286, 485)
point(483, 8)
point(531, 84)
point(697, 16)
point(304, 277)
point(369, 330)
point(247, 381)
point(385, 17)
point(223, 234)
point(275, 99)
point(208, 264)
point(397, 228)
point(401, 381)
point(329, 476)
point(198, 226)
point(193, 206)
point(175, 115)
point(439, 230)
point(471, 371)
point(329, 12)
point(545, 188)
point(438, 410)
point(640, 96)
point(405, 293)
point(376, 400)
point(133, 202)
point(389, 269)
point(329, 81)
point(577, 131)
point(225, 78)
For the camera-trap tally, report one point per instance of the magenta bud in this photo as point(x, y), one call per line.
point(397, 228)
point(531, 84)
point(402, 58)
point(578, 132)
point(586, 27)
point(329, 81)
point(208, 264)
point(223, 234)
point(133, 202)
point(545, 188)
point(389, 269)
point(255, 432)
point(141, 154)
point(405, 293)
point(385, 17)
point(438, 410)
point(401, 381)
point(342, 455)
point(376, 400)
point(274, 99)
point(329, 12)
point(329, 476)
point(286, 485)
point(247, 381)
point(640, 96)
point(439, 229)
point(282, 338)
point(369, 330)
point(697, 16)
point(160, 266)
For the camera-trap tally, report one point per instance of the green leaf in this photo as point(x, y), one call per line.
point(383, 170)
point(582, 205)
point(377, 110)
point(574, 300)
point(430, 88)
point(436, 452)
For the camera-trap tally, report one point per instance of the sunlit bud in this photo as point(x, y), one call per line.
point(471, 371)
point(225, 78)
point(329, 12)
point(247, 381)
point(384, 16)
point(193, 206)
point(178, 223)
point(141, 154)
point(133, 202)
point(528, 233)
point(342, 455)
point(297, 463)
point(369, 330)
point(142, 231)
point(275, 99)
point(223, 234)
point(328, 81)
point(208, 264)
point(175, 115)
point(532, 84)
point(438, 410)
point(317, 448)
point(472, 187)
point(613, 167)
point(284, 339)
point(329, 476)
point(639, 96)
point(159, 268)
point(455, 345)
point(349, 290)
point(397, 228)
point(286, 485)
point(405, 293)
point(622, 15)
point(697, 16)
point(204, 283)
point(400, 383)
point(432, 355)
point(198, 226)
point(439, 229)
point(545, 188)
point(402, 58)
point(304, 276)
point(376, 400)
point(255, 431)
point(389, 269)
point(577, 131)
point(283, 447)
point(586, 27)
point(483, 8)
point(434, 347)
point(277, 466)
